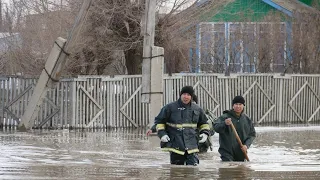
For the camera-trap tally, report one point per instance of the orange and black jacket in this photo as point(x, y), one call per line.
point(180, 122)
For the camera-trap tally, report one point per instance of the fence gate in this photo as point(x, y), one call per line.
point(16, 92)
point(122, 101)
point(256, 91)
point(88, 103)
point(207, 98)
point(301, 97)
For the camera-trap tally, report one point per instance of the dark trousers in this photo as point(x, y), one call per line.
point(226, 157)
point(231, 156)
point(188, 159)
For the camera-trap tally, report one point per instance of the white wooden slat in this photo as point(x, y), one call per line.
point(294, 100)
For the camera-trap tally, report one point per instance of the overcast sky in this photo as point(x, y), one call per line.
point(5, 1)
point(169, 3)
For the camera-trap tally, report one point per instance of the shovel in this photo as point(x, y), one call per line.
point(239, 140)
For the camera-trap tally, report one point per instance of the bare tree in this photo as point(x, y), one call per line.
point(115, 26)
point(111, 39)
point(306, 48)
point(111, 27)
point(31, 28)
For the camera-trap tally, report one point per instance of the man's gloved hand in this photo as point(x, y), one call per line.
point(165, 138)
point(203, 137)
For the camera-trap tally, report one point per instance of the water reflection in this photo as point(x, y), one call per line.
point(129, 154)
point(238, 172)
point(184, 172)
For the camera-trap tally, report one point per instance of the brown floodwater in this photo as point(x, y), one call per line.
point(277, 153)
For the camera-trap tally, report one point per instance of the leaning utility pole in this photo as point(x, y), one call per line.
point(152, 65)
point(51, 73)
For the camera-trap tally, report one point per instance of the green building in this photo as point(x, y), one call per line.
point(248, 36)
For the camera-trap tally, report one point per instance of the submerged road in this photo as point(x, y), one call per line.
point(277, 153)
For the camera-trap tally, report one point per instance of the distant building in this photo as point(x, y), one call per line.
point(235, 39)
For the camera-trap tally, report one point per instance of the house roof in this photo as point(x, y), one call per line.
point(194, 14)
point(255, 10)
point(290, 6)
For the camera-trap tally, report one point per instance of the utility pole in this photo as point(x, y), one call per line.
point(152, 65)
point(1, 22)
point(148, 42)
point(51, 73)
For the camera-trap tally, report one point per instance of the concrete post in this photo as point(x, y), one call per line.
point(43, 84)
point(156, 95)
point(148, 31)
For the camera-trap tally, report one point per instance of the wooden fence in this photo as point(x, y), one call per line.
point(103, 101)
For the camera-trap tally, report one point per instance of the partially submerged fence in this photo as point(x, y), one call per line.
point(103, 101)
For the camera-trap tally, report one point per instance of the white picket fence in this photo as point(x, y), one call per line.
point(103, 101)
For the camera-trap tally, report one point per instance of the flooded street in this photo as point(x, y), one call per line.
point(277, 153)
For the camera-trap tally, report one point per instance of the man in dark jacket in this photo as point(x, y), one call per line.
point(176, 125)
point(230, 149)
point(153, 128)
point(203, 147)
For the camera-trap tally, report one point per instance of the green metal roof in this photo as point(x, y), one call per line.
point(308, 2)
point(313, 3)
point(247, 10)
point(243, 10)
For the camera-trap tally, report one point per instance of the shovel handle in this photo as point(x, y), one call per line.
point(239, 140)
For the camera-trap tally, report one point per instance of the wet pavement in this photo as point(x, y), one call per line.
point(277, 153)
